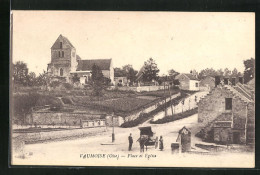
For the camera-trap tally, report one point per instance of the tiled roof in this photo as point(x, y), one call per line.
point(103, 64)
point(56, 44)
point(237, 93)
point(244, 92)
point(189, 76)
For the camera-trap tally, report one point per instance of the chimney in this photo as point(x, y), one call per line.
point(241, 80)
point(217, 80)
point(233, 81)
point(226, 81)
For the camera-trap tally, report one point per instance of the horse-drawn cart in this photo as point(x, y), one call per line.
point(147, 138)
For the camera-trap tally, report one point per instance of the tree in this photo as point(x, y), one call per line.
point(31, 79)
point(20, 72)
point(97, 78)
point(207, 72)
point(126, 71)
point(173, 73)
point(118, 72)
point(235, 73)
point(43, 79)
point(23, 104)
point(220, 72)
point(150, 71)
point(127, 68)
point(249, 72)
point(131, 75)
point(227, 72)
point(75, 78)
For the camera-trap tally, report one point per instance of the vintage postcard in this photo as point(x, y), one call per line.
point(138, 89)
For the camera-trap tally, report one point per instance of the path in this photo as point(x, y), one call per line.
point(189, 103)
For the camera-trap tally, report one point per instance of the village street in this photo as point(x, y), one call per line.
point(189, 103)
point(72, 152)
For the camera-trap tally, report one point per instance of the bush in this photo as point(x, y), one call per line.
point(67, 86)
point(66, 100)
point(175, 117)
point(54, 84)
point(22, 105)
point(141, 119)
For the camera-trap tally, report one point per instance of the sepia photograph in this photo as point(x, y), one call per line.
point(132, 89)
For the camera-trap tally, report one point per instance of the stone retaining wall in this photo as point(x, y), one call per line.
point(150, 108)
point(54, 135)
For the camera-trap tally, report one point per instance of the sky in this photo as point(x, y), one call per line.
point(182, 41)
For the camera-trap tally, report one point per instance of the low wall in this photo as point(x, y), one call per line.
point(139, 88)
point(54, 135)
point(151, 108)
point(114, 121)
point(60, 118)
point(93, 123)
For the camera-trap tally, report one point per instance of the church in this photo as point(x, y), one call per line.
point(65, 63)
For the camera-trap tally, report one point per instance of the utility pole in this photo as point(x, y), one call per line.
point(165, 109)
point(113, 130)
point(170, 98)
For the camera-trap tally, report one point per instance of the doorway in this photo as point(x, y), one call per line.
point(236, 137)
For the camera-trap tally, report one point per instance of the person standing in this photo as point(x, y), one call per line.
point(161, 143)
point(130, 140)
point(156, 142)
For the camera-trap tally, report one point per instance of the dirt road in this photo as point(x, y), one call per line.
point(79, 151)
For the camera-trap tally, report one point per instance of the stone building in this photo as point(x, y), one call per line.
point(188, 82)
point(121, 81)
point(65, 63)
point(227, 114)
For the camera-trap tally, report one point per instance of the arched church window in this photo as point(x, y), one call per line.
point(62, 54)
point(61, 45)
point(61, 72)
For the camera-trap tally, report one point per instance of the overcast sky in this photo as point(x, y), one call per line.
point(175, 40)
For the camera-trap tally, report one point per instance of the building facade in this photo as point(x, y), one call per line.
point(65, 63)
point(227, 114)
point(188, 82)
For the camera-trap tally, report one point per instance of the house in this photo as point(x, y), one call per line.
point(188, 82)
point(139, 78)
point(65, 63)
point(227, 114)
point(207, 83)
point(84, 69)
point(121, 81)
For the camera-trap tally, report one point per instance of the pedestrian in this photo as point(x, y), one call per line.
point(156, 142)
point(161, 143)
point(130, 139)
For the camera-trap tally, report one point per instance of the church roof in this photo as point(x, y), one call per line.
point(65, 41)
point(103, 64)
